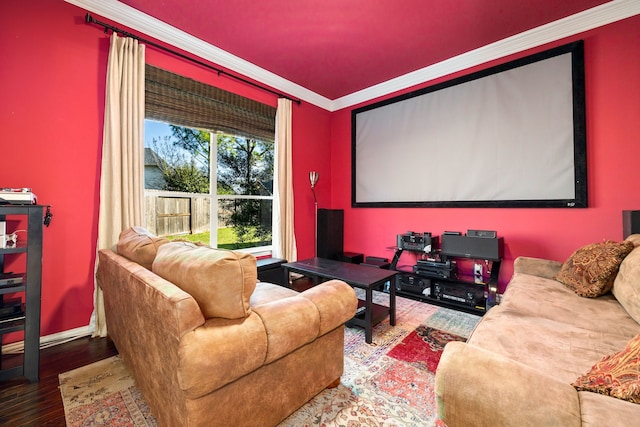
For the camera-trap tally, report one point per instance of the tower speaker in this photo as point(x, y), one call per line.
point(630, 223)
point(330, 233)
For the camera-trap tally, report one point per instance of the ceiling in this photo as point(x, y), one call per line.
point(329, 50)
point(336, 47)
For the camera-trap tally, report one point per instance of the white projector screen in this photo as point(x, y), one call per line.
point(508, 136)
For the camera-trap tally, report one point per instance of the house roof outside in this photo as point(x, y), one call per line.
point(151, 158)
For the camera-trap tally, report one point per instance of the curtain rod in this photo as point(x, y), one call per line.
point(91, 20)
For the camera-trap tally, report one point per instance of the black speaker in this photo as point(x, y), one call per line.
point(330, 234)
point(472, 247)
point(351, 257)
point(630, 223)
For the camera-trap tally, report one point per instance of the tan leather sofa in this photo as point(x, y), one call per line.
point(519, 364)
point(206, 344)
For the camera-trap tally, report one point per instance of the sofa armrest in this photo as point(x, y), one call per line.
point(273, 330)
point(336, 302)
point(536, 267)
point(476, 387)
point(295, 321)
point(138, 301)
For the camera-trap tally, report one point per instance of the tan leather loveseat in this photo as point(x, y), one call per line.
point(208, 345)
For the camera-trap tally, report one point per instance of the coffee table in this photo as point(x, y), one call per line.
point(368, 278)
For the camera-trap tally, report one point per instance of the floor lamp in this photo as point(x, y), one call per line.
point(313, 179)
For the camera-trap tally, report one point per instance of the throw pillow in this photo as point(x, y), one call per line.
point(220, 281)
point(591, 270)
point(139, 245)
point(616, 375)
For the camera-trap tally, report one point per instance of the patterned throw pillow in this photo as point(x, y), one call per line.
point(591, 270)
point(616, 375)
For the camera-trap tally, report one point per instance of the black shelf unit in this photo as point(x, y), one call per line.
point(29, 320)
point(462, 294)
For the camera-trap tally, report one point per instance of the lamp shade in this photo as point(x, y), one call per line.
point(313, 178)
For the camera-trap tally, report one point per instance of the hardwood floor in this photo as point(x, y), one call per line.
point(40, 404)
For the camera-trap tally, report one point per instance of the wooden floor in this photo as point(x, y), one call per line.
point(40, 404)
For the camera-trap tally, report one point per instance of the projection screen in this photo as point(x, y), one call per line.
point(508, 136)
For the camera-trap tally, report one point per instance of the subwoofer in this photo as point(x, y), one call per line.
point(330, 233)
point(630, 223)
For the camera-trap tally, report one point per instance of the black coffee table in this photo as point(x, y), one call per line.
point(368, 278)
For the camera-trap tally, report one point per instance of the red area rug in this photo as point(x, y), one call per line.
point(423, 347)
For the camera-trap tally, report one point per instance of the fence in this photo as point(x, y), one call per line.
point(173, 213)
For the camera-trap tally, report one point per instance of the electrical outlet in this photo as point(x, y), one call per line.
point(477, 273)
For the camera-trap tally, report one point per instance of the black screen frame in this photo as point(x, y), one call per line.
point(580, 200)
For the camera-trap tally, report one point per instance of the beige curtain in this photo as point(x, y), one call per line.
point(122, 178)
point(284, 239)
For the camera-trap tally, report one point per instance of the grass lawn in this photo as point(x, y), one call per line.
point(226, 239)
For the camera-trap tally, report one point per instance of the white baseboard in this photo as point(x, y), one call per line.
point(49, 340)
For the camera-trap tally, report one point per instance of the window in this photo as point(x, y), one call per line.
point(209, 163)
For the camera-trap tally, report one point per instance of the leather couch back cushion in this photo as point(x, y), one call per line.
point(139, 245)
point(220, 281)
point(626, 286)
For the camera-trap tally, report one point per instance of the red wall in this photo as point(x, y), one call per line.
point(52, 73)
point(612, 67)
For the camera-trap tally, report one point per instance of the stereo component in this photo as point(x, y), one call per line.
point(489, 234)
point(413, 284)
point(472, 247)
point(418, 242)
point(440, 269)
point(472, 296)
point(17, 196)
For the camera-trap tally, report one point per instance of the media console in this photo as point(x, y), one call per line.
point(462, 274)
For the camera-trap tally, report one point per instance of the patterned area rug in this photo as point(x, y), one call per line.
point(387, 383)
point(103, 393)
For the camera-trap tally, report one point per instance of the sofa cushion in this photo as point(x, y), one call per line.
point(542, 298)
point(220, 281)
point(616, 375)
point(591, 270)
point(139, 245)
point(553, 348)
point(600, 410)
point(626, 286)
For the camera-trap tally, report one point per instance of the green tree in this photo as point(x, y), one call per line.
point(179, 168)
point(244, 167)
point(187, 178)
point(196, 142)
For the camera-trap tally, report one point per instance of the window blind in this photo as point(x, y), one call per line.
point(182, 101)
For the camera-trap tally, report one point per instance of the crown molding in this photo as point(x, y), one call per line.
point(152, 27)
point(604, 14)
